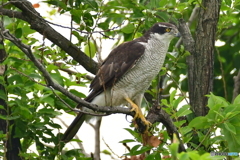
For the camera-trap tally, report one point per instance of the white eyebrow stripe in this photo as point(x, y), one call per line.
point(168, 26)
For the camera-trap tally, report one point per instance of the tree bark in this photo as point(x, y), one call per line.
point(12, 144)
point(201, 61)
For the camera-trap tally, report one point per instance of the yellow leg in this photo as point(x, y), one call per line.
point(138, 113)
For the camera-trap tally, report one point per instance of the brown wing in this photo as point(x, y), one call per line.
point(119, 61)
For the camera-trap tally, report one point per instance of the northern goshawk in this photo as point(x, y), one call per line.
point(127, 73)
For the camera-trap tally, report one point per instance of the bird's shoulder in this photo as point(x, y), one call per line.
point(126, 51)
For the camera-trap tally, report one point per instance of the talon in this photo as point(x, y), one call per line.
point(136, 110)
point(142, 124)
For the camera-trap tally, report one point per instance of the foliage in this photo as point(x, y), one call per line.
point(32, 105)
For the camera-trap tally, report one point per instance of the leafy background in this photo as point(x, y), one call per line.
point(32, 105)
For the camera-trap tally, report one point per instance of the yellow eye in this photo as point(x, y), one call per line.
point(168, 29)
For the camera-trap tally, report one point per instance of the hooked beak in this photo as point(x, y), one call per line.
point(178, 34)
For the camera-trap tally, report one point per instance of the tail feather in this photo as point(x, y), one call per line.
point(73, 128)
point(78, 121)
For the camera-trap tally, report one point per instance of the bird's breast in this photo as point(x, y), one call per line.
point(137, 79)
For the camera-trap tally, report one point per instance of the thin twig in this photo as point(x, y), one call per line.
point(178, 88)
point(207, 134)
point(222, 74)
point(110, 149)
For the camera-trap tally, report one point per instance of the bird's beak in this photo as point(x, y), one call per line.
point(178, 34)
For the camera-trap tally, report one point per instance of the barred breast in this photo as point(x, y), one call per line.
point(137, 80)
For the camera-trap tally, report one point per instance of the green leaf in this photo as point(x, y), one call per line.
point(230, 127)
point(21, 128)
point(134, 149)
point(215, 113)
point(106, 152)
point(15, 78)
point(2, 107)
point(103, 25)
point(163, 15)
point(79, 94)
point(4, 117)
point(177, 101)
point(171, 99)
point(214, 100)
point(179, 123)
point(1, 46)
point(194, 155)
point(128, 28)
point(142, 150)
point(18, 32)
point(49, 100)
point(57, 77)
point(237, 100)
point(183, 156)
point(78, 36)
point(162, 3)
point(181, 65)
point(171, 56)
point(199, 123)
point(25, 112)
point(228, 2)
point(187, 138)
point(231, 111)
point(174, 149)
point(183, 111)
point(88, 19)
point(90, 49)
point(185, 130)
point(150, 157)
point(127, 141)
point(92, 3)
point(231, 138)
point(3, 95)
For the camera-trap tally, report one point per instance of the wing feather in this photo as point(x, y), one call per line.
point(119, 61)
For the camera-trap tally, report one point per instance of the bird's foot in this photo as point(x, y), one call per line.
point(142, 124)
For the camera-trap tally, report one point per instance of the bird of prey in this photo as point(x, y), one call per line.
point(127, 73)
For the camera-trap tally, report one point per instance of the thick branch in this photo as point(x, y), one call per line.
point(184, 28)
point(187, 38)
point(27, 50)
point(157, 114)
point(36, 22)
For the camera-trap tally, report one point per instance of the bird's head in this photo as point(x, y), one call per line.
point(163, 30)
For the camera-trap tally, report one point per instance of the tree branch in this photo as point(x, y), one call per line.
point(184, 27)
point(27, 50)
point(157, 114)
point(187, 38)
point(36, 22)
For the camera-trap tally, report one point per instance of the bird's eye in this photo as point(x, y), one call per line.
point(168, 29)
